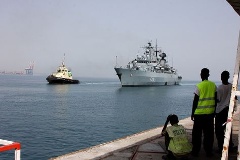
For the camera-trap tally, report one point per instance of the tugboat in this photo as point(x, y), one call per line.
point(149, 69)
point(62, 76)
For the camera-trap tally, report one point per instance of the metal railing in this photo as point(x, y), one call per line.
point(10, 145)
point(231, 106)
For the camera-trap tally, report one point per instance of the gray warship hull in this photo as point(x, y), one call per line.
point(131, 78)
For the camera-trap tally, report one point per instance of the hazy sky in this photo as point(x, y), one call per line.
point(193, 33)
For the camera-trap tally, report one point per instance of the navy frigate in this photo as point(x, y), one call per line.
point(149, 69)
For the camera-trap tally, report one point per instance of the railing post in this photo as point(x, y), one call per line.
point(17, 154)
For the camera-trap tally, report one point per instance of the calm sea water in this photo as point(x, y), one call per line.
point(52, 120)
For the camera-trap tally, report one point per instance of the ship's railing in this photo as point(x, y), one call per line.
point(234, 93)
point(6, 145)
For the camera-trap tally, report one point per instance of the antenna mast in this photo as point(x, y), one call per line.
point(63, 63)
point(116, 61)
point(156, 50)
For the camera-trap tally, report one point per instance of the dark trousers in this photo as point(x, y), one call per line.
point(167, 141)
point(203, 124)
point(221, 118)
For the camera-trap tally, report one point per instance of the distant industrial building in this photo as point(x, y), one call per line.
point(29, 70)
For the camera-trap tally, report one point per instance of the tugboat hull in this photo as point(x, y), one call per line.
point(62, 76)
point(54, 80)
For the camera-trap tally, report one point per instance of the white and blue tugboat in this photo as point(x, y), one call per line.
point(149, 69)
point(62, 76)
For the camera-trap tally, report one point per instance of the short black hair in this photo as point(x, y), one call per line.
point(174, 119)
point(205, 71)
point(225, 74)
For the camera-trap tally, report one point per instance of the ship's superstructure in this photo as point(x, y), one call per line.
point(149, 69)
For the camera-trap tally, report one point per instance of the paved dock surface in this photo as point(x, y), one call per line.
point(147, 145)
point(155, 149)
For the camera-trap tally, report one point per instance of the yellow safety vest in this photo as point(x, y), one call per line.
point(206, 102)
point(179, 143)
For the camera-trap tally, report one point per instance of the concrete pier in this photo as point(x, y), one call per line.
point(146, 145)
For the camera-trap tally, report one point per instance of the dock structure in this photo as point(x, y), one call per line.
point(29, 70)
point(149, 145)
point(225, 154)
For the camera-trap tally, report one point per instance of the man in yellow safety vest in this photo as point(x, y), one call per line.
point(203, 110)
point(176, 140)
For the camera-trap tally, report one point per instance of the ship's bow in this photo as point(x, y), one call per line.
point(119, 73)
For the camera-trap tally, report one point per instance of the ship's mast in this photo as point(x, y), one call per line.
point(63, 62)
point(116, 62)
point(156, 50)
